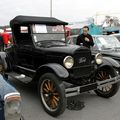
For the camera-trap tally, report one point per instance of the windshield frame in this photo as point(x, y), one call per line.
point(32, 34)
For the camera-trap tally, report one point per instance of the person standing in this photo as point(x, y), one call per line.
point(1, 41)
point(85, 39)
point(6, 38)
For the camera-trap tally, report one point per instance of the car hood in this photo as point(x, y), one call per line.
point(66, 49)
point(111, 53)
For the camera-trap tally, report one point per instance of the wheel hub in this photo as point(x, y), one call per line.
point(103, 75)
point(49, 95)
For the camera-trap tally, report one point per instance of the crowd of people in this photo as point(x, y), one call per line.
point(5, 39)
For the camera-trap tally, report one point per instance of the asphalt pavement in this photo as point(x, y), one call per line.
point(96, 108)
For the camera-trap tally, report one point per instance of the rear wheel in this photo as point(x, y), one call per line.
point(52, 94)
point(108, 90)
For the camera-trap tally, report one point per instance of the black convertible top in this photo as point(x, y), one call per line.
point(24, 20)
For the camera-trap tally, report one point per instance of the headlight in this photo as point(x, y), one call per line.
point(98, 58)
point(68, 62)
point(12, 106)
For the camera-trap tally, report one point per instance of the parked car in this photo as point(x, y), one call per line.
point(40, 54)
point(106, 45)
point(10, 101)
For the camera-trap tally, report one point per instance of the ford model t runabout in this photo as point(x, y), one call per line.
point(40, 54)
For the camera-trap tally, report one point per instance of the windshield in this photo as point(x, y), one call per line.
point(43, 33)
point(107, 42)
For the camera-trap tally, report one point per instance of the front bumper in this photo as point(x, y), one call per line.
point(73, 91)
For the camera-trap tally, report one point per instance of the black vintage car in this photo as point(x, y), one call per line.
point(40, 54)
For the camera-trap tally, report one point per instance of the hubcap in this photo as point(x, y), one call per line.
point(103, 75)
point(49, 95)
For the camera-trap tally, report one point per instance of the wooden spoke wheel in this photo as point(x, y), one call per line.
point(104, 75)
point(52, 94)
point(107, 90)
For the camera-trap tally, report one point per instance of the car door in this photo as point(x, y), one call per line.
point(24, 47)
point(24, 55)
point(39, 57)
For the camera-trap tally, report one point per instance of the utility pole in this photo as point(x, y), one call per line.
point(51, 8)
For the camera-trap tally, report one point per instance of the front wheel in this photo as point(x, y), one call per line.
point(52, 94)
point(108, 90)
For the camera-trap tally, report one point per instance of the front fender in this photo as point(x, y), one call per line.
point(107, 61)
point(58, 69)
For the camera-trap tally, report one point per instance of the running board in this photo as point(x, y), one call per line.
point(93, 86)
point(21, 77)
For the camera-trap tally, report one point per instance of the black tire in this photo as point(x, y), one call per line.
point(54, 93)
point(114, 87)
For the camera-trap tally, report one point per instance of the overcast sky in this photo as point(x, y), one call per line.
point(68, 10)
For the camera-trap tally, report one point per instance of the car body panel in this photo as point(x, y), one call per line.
point(112, 53)
point(6, 90)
